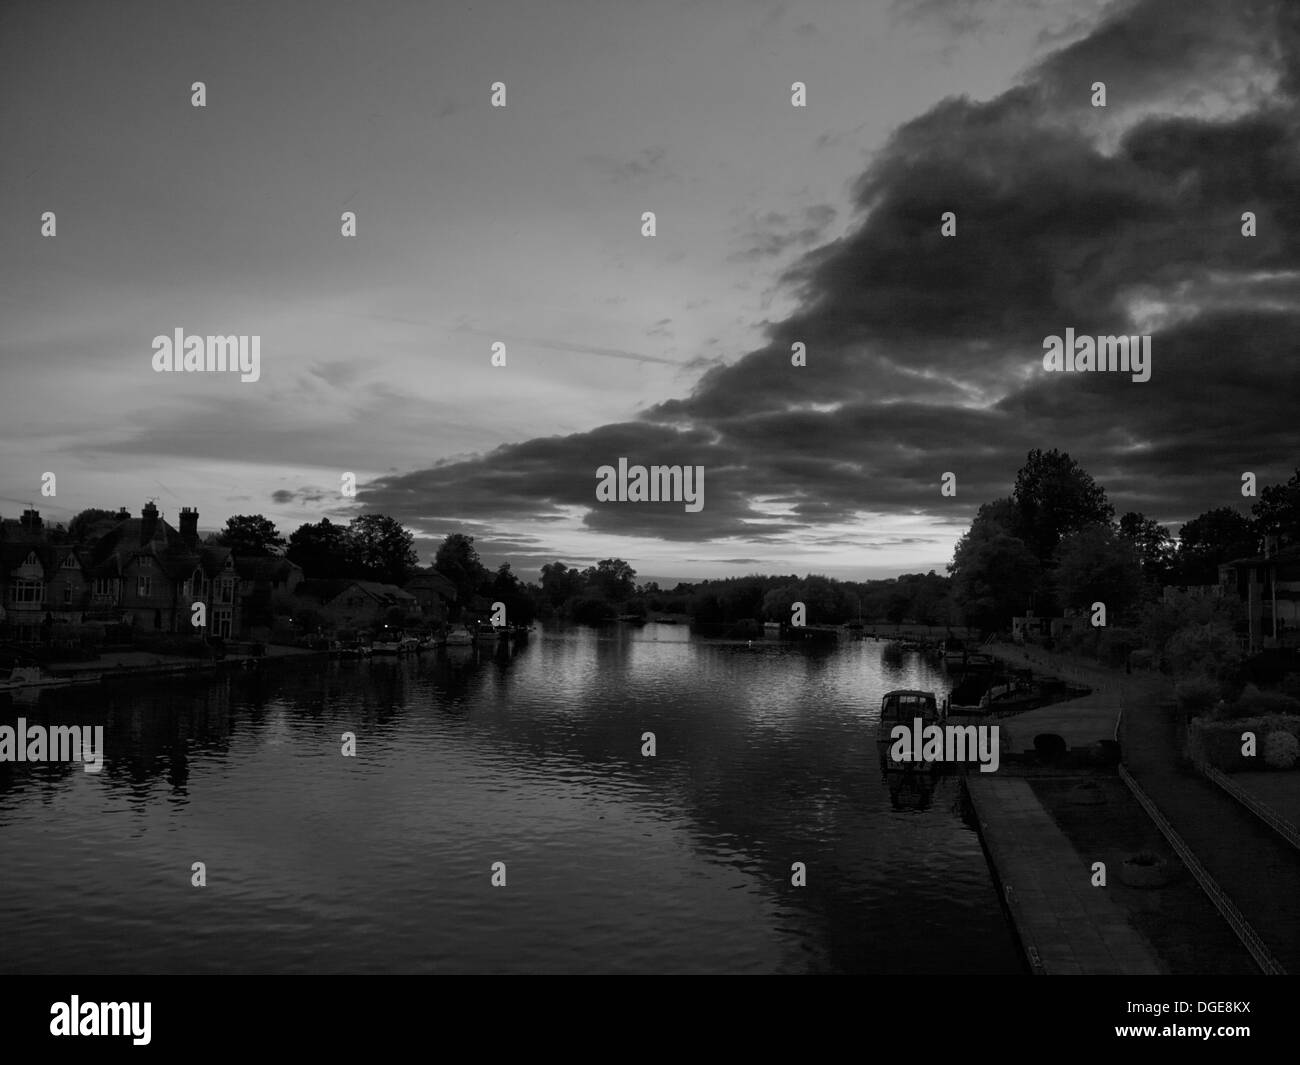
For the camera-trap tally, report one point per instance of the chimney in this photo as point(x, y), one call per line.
point(148, 522)
point(31, 521)
point(189, 527)
point(123, 513)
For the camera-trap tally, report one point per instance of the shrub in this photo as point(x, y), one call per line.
point(1253, 702)
point(1196, 695)
point(1210, 649)
point(1114, 645)
point(1281, 749)
point(1219, 743)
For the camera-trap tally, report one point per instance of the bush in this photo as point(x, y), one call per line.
point(1253, 703)
point(1281, 749)
point(1196, 695)
point(1210, 649)
point(1219, 743)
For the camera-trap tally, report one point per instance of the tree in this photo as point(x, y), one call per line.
point(994, 573)
point(322, 550)
point(382, 548)
point(1098, 565)
point(560, 583)
point(83, 527)
point(1277, 511)
point(614, 579)
point(1151, 540)
point(508, 589)
point(1217, 536)
point(1054, 496)
point(250, 534)
point(458, 561)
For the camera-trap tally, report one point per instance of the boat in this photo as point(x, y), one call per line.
point(631, 619)
point(968, 695)
point(387, 643)
point(957, 656)
point(459, 637)
point(348, 644)
point(485, 633)
point(819, 633)
point(902, 707)
point(408, 645)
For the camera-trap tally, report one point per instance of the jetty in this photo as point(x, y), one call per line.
point(1065, 925)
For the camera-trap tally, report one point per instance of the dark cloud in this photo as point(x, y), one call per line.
point(924, 352)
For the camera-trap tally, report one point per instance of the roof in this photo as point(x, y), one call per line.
point(326, 591)
point(113, 552)
point(264, 567)
point(432, 580)
point(1290, 553)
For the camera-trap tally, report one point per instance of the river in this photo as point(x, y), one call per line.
point(614, 862)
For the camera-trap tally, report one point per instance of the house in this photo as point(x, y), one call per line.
point(1030, 629)
point(27, 563)
point(262, 579)
point(1192, 591)
point(152, 575)
point(434, 592)
point(1269, 585)
point(353, 604)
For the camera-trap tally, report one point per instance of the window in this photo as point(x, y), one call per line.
point(67, 594)
point(227, 591)
point(143, 587)
point(103, 586)
point(144, 561)
point(28, 591)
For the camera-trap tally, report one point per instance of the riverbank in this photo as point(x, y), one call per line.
point(121, 664)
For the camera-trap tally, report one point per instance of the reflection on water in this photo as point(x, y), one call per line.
point(765, 755)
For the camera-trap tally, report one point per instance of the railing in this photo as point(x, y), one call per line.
point(1277, 823)
point(1226, 907)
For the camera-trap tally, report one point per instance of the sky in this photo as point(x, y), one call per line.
point(522, 225)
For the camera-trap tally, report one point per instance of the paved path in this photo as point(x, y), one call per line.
point(1068, 927)
point(1080, 722)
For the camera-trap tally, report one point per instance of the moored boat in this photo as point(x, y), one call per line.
point(904, 706)
point(459, 637)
